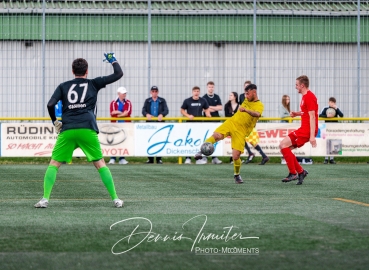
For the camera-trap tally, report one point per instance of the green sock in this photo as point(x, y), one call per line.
point(49, 180)
point(108, 181)
point(211, 140)
point(237, 166)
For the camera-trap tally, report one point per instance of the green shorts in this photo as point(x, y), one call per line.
point(69, 140)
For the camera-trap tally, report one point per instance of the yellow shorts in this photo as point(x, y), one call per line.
point(228, 128)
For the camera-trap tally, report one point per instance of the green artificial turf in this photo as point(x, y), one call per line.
point(298, 227)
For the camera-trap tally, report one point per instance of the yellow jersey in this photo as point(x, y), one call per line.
point(245, 121)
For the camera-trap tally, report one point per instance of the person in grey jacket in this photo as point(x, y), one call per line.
point(284, 108)
point(155, 106)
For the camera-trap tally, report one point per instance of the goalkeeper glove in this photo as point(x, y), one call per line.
point(110, 57)
point(58, 126)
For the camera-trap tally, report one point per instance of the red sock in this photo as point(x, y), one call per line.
point(290, 158)
point(298, 167)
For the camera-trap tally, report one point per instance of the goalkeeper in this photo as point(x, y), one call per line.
point(78, 127)
point(238, 127)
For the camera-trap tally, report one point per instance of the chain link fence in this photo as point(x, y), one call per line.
point(176, 45)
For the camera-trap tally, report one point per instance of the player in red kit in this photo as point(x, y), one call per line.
point(306, 133)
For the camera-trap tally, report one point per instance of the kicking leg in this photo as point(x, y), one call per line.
point(212, 139)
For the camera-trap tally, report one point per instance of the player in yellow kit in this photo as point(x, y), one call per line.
point(238, 127)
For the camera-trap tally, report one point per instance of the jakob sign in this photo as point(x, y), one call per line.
point(173, 139)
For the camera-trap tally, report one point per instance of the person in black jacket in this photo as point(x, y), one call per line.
point(231, 107)
point(329, 112)
point(155, 106)
point(242, 96)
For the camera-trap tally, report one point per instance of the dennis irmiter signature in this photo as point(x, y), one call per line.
point(229, 234)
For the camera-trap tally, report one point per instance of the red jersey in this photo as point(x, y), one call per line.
point(308, 103)
point(126, 105)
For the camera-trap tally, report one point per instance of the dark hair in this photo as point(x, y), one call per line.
point(210, 82)
point(251, 87)
point(79, 67)
point(303, 79)
point(235, 95)
point(228, 105)
point(247, 82)
point(195, 88)
point(332, 99)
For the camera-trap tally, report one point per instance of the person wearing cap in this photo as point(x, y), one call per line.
point(120, 107)
point(155, 106)
point(238, 127)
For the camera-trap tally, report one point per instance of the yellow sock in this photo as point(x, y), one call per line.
point(237, 166)
point(211, 140)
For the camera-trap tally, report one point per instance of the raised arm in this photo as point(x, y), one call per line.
point(118, 73)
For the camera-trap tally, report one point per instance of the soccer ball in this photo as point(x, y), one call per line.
point(331, 112)
point(207, 148)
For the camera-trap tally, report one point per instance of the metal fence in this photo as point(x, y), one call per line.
point(176, 45)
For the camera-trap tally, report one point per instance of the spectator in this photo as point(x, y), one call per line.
point(120, 107)
point(59, 109)
point(329, 112)
point(155, 106)
point(242, 96)
point(193, 107)
point(230, 108)
point(215, 105)
point(284, 108)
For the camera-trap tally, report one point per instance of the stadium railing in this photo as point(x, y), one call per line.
point(184, 119)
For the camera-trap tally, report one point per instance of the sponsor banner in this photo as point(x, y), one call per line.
point(38, 139)
point(117, 139)
point(173, 139)
point(345, 139)
point(183, 139)
point(333, 139)
point(27, 140)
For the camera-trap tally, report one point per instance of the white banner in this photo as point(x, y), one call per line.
point(38, 139)
point(333, 139)
point(176, 139)
point(173, 139)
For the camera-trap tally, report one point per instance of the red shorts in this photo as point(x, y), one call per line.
point(299, 137)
